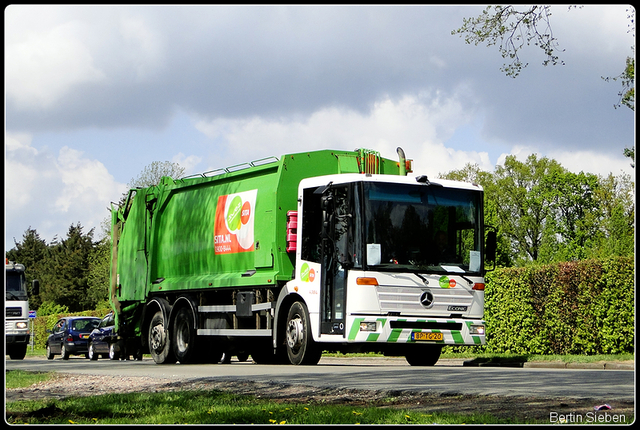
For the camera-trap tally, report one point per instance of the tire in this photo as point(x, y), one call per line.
point(184, 336)
point(424, 356)
point(226, 358)
point(63, 352)
point(114, 354)
point(93, 355)
point(50, 354)
point(159, 341)
point(17, 352)
point(301, 348)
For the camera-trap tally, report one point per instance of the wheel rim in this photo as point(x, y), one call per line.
point(156, 340)
point(183, 336)
point(295, 333)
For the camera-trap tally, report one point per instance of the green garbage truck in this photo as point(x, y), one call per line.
point(283, 258)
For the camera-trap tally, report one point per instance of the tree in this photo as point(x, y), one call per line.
point(472, 174)
point(99, 273)
point(512, 29)
point(543, 213)
point(30, 252)
point(576, 216)
point(152, 174)
point(65, 272)
point(616, 198)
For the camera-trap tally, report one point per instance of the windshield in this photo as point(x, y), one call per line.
point(15, 287)
point(85, 326)
point(422, 228)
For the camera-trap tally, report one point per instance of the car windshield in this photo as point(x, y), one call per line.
point(84, 326)
point(422, 228)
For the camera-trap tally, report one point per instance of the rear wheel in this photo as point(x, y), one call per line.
point(301, 348)
point(93, 355)
point(184, 336)
point(113, 352)
point(159, 342)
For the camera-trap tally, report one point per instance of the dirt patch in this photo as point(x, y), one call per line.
point(516, 409)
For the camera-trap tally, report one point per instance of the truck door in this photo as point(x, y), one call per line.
point(335, 258)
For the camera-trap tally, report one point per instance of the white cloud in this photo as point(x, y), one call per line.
point(418, 124)
point(188, 162)
point(61, 52)
point(598, 163)
point(49, 193)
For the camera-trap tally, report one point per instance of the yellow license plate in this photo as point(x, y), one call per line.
point(423, 336)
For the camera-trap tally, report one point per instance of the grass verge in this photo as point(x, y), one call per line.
point(23, 378)
point(216, 407)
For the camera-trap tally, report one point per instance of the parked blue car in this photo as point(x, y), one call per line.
point(102, 341)
point(70, 336)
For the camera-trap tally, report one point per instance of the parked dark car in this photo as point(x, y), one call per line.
point(70, 336)
point(102, 341)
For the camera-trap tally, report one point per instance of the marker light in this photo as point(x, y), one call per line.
point(478, 286)
point(366, 281)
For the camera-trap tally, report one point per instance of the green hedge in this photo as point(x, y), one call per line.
point(44, 323)
point(582, 307)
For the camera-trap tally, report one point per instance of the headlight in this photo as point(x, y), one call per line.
point(476, 329)
point(368, 326)
point(21, 325)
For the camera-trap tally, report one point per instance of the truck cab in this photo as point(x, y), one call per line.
point(385, 262)
point(17, 310)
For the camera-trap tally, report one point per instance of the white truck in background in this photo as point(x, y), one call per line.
point(17, 310)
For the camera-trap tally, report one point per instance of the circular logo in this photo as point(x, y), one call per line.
point(234, 214)
point(426, 299)
point(246, 213)
point(307, 274)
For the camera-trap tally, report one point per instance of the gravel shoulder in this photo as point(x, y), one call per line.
point(517, 409)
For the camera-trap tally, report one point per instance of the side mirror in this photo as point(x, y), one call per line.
point(490, 247)
point(35, 287)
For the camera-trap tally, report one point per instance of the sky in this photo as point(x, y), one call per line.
point(94, 94)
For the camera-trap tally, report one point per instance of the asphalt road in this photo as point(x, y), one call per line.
point(448, 377)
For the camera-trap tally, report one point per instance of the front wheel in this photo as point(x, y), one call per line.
point(159, 343)
point(63, 352)
point(424, 356)
point(17, 352)
point(50, 353)
point(301, 348)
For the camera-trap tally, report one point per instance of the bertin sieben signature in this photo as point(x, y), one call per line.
point(587, 418)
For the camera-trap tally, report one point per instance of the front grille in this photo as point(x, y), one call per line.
point(14, 312)
point(426, 325)
point(407, 299)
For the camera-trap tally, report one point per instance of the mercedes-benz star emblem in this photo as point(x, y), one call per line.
point(426, 299)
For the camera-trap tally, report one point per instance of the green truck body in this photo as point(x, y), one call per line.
point(210, 265)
